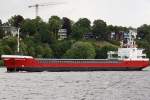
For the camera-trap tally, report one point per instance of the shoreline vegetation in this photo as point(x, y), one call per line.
point(40, 39)
point(1, 63)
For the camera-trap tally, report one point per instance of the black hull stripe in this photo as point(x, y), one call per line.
point(32, 69)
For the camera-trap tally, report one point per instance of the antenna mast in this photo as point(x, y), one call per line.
point(18, 42)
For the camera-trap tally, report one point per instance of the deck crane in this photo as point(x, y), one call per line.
point(37, 6)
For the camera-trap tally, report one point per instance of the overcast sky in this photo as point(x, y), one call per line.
point(116, 12)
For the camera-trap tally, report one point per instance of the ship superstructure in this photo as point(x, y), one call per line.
point(128, 50)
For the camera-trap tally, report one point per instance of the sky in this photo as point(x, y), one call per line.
point(127, 13)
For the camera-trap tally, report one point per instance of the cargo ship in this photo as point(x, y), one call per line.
point(126, 58)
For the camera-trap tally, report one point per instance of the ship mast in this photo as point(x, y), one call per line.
point(18, 42)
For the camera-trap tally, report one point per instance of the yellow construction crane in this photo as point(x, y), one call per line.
point(37, 6)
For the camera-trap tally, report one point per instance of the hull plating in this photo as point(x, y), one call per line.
point(26, 64)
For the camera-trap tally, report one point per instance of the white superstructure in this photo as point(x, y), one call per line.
point(129, 50)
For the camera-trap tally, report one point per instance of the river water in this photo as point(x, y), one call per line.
point(98, 85)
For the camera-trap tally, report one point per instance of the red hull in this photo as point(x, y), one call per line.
point(30, 64)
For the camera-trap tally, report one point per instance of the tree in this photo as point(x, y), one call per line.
point(23, 48)
point(67, 25)
point(143, 31)
point(0, 22)
point(110, 28)
point(48, 53)
point(31, 51)
point(99, 28)
point(43, 51)
point(34, 26)
point(1, 30)
point(28, 27)
point(81, 27)
point(29, 41)
point(1, 49)
point(44, 33)
point(37, 22)
point(144, 44)
point(7, 50)
point(11, 42)
point(61, 47)
point(54, 24)
point(81, 50)
point(16, 21)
